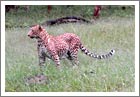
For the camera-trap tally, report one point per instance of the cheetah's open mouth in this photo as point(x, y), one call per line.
point(33, 37)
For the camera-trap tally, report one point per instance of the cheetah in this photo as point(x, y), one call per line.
point(62, 46)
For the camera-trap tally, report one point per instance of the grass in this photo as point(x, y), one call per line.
point(110, 75)
point(39, 14)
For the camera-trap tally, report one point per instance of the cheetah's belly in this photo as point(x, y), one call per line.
point(63, 55)
point(62, 49)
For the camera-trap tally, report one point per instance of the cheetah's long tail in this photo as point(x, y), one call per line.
point(83, 49)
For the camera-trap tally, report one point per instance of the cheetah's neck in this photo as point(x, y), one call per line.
point(44, 36)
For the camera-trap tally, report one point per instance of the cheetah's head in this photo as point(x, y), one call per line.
point(34, 31)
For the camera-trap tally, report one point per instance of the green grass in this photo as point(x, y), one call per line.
point(39, 14)
point(109, 75)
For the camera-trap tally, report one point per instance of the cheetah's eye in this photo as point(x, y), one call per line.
point(33, 31)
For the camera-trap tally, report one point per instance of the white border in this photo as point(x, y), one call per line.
point(136, 3)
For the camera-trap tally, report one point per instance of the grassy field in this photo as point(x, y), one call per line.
point(108, 75)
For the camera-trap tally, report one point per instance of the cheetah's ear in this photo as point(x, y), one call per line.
point(40, 28)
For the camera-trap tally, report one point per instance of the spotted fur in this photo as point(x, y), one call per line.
point(62, 46)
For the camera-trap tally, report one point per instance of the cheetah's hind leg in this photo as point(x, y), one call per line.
point(73, 58)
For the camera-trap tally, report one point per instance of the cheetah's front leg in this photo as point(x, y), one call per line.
point(42, 60)
point(56, 60)
point(41, 57)
point(42, 63)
